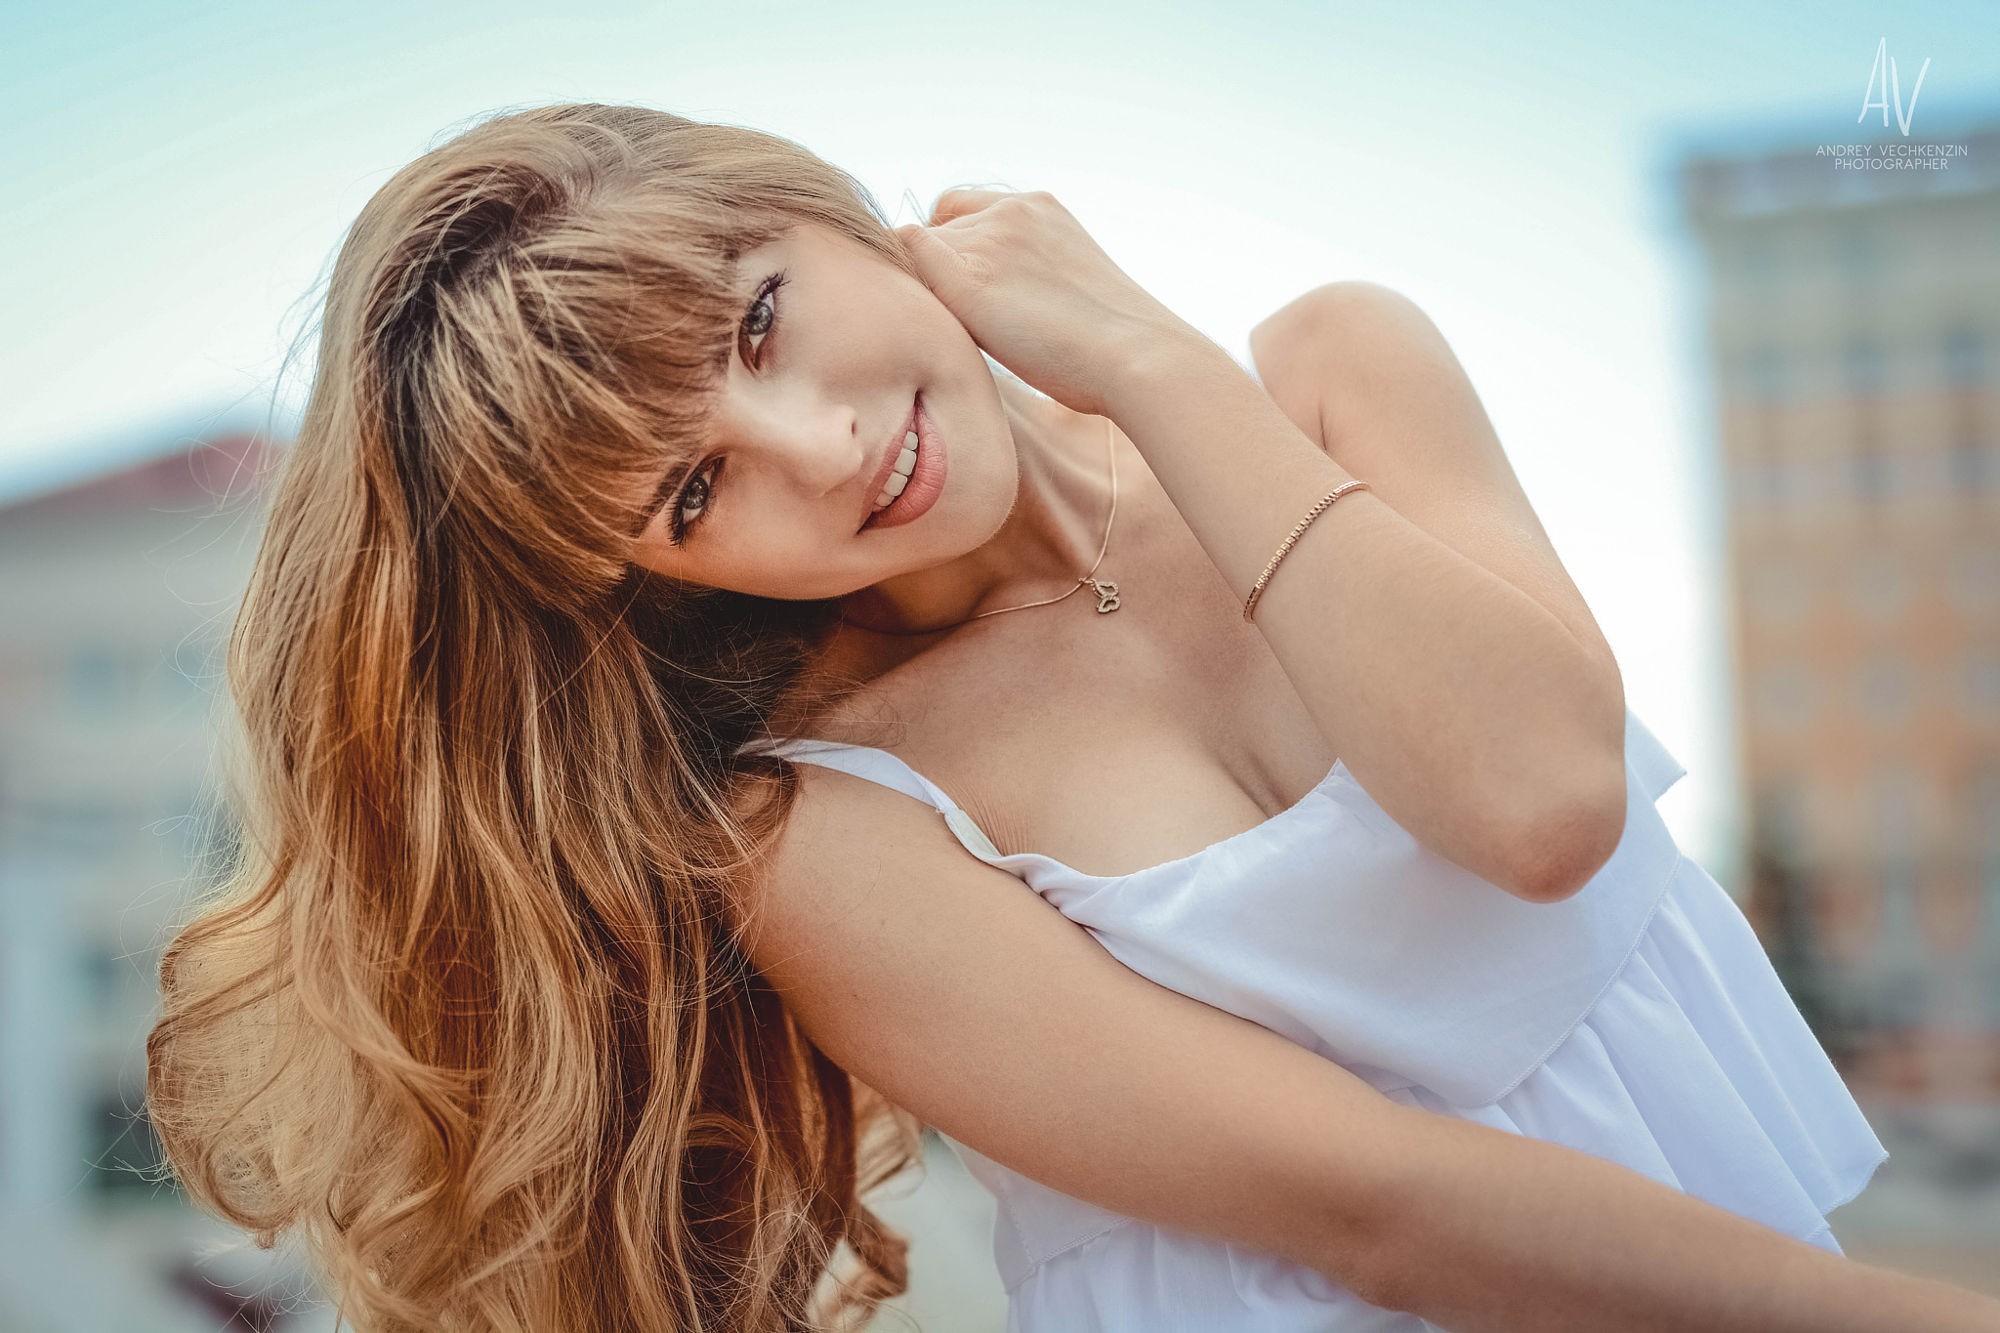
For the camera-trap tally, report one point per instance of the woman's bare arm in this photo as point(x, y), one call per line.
point(1366, 375)
point(1471, 712)
point(950, 987)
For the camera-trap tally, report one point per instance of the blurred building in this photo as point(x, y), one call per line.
point(1853, 320)
point(116, 593)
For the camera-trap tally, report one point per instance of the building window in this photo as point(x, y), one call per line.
point(1964, 357)
point(1886, 690)
point(1784, 697)
point(1766, 485)
point(1895, 808)
point(1864, 366)
point(1902, 981)
point(1982, 684)
point(1751, 263)
point(1971, 465)
point(1707, 186)
point(1764, 374)
point(1975, 580)
point(1982, 812)
point(1780, 594)
point(1896, 801)
point(1789, 483)
point(1779, 816)
point(1747, 486)
point(1857, 253)
point(96, 679)
point(1770, 430)
point(1881, 590)
point(1870, 470)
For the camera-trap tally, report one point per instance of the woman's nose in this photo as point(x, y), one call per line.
point(822, 455)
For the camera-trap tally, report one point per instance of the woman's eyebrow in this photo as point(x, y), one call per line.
point(663, 494)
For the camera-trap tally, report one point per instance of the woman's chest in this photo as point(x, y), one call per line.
point(1119, 741)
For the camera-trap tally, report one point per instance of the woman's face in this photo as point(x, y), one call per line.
point(828, 370)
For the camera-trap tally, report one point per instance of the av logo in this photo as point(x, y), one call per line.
point(1884, 71)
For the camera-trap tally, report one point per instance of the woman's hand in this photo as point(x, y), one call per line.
point(1037, 293)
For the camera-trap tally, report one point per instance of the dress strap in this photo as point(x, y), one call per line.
point(880, 766)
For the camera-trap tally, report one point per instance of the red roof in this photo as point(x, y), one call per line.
point(204, 473)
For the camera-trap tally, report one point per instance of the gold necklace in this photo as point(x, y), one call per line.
point(1107, 591)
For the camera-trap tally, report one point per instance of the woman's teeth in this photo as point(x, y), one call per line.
point(899, 475)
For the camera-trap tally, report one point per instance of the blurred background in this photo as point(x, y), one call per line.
point(1727, 276)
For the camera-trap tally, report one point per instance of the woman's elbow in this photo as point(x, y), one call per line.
point(1569, 846)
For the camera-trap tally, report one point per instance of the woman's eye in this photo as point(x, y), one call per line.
point(699, 492)
point(762, 316)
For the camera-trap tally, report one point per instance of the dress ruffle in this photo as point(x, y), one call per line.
point(1733, 1102)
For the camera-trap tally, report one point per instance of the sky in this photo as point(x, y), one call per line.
point(174, 180)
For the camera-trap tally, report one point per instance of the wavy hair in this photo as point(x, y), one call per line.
point(467, 1013)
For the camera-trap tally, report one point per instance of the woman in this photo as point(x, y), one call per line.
point(490, 1010)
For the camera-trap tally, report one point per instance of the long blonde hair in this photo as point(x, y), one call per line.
point(467, 1011)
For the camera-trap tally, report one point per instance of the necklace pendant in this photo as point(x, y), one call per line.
point(1107, 594)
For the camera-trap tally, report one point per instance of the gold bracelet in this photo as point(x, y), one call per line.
point(1304, 523)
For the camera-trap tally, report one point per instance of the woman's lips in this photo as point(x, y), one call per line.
point(926, 481)
point(888, 463)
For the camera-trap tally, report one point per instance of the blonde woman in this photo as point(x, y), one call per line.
point(549, 995)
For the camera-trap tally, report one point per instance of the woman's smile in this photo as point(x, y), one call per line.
point(925, 473)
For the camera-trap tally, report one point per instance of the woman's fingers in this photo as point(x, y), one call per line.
point(961, 200)
point(1033, 289)
point(942, 268)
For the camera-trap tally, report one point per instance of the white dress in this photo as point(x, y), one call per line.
point(1638, 1020)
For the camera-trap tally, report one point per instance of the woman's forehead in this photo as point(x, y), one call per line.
point(817, 240)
